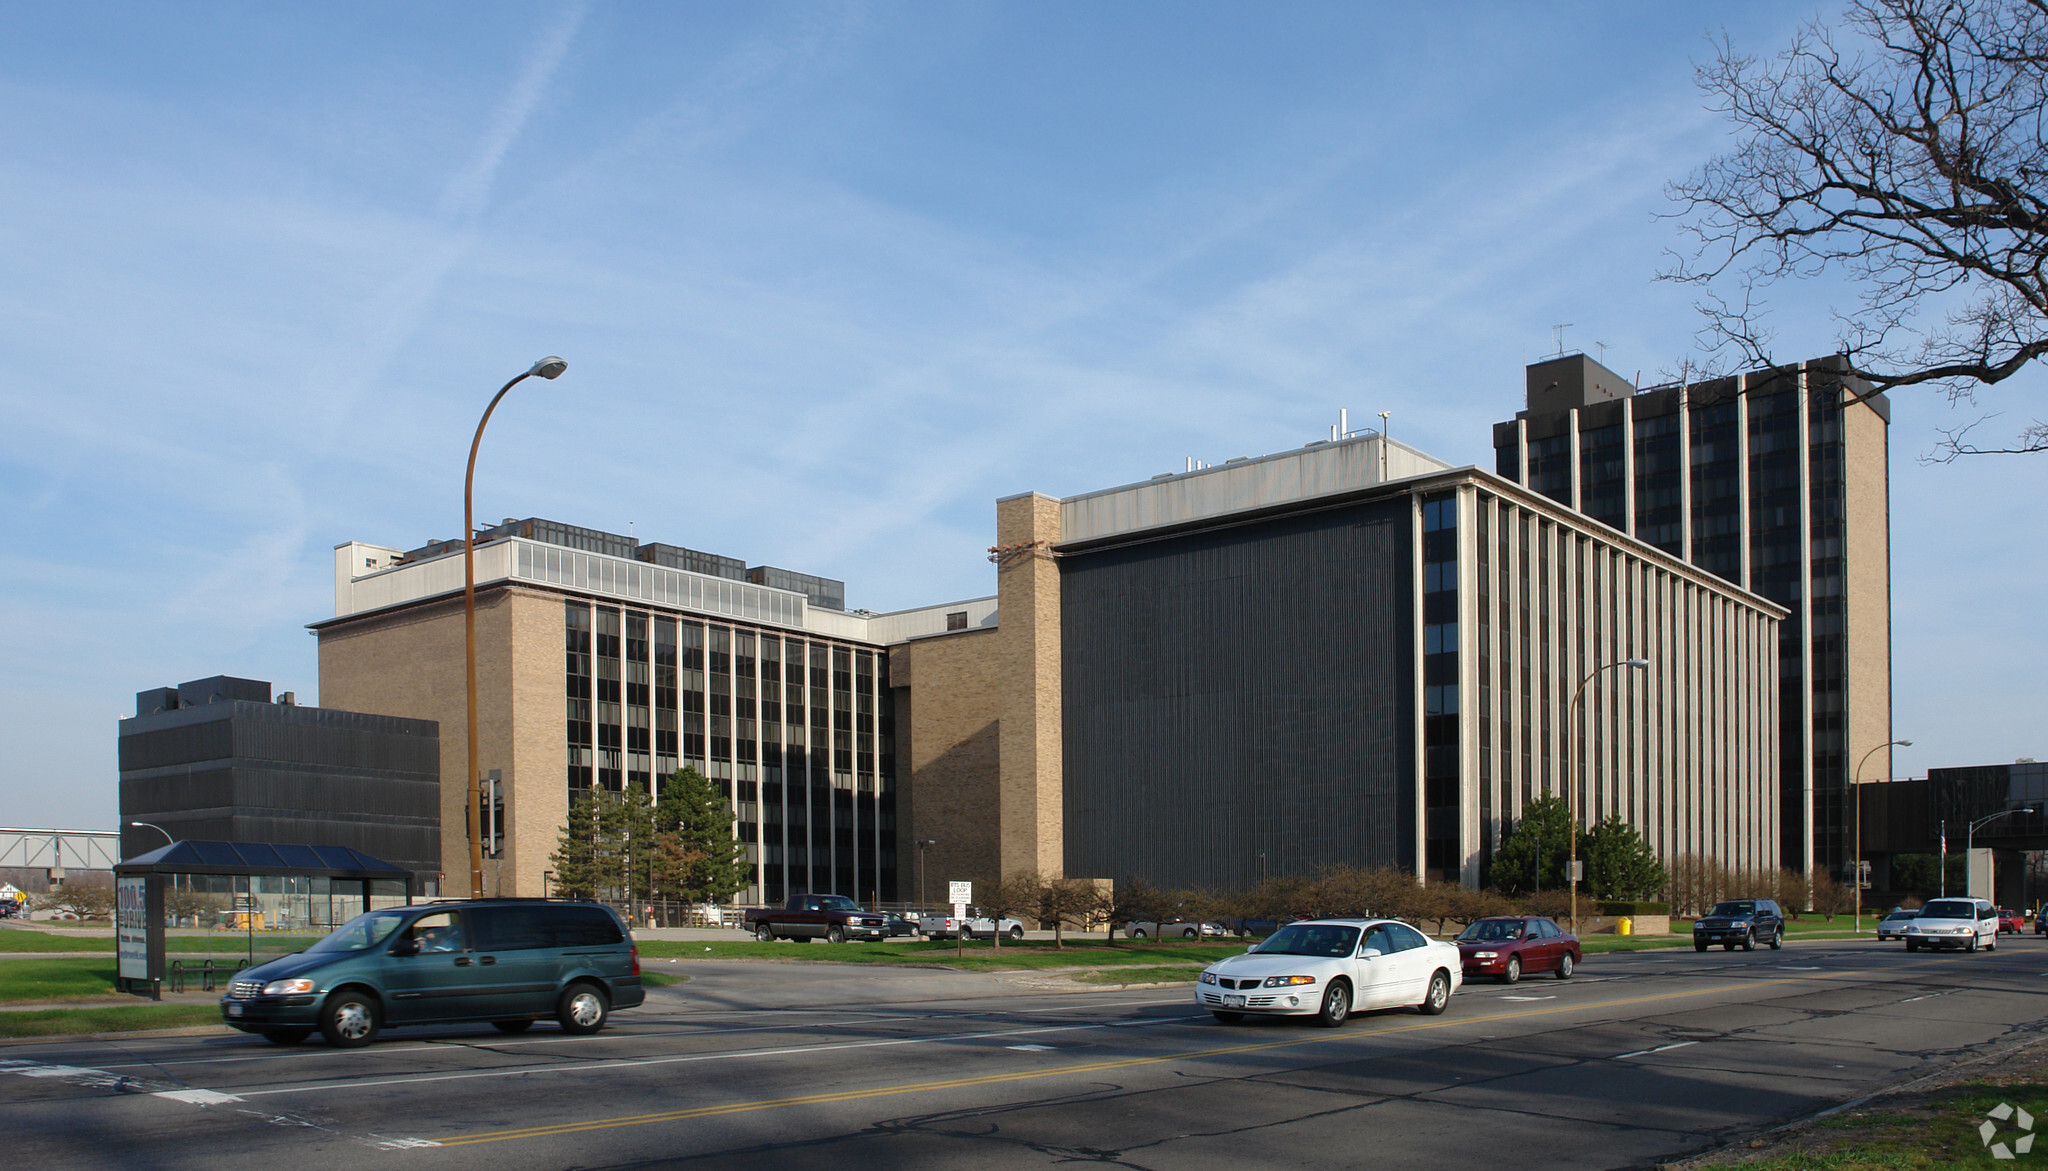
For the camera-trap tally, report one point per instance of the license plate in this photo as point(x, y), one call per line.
point(234, 1010)
point(1233, 1002)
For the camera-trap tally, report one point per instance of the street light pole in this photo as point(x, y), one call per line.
point(1858, 869)
point(922, 906)
point(1573, 774)
point(550, 367)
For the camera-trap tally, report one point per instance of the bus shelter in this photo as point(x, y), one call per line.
point(247, 887)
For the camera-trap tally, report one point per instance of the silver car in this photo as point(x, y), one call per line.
point(1893, 926)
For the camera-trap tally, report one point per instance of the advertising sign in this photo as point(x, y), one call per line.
point(131, 927)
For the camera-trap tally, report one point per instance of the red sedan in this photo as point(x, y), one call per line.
point(1505, 948)
point(2011, 922)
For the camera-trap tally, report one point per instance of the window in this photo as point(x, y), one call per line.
point(957, 620)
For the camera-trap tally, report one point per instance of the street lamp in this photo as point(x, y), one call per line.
point(549, 367)
point(1859, 824)
point(1970, 839)
point(157, 828)
point(1570, 786)
point(922, 906)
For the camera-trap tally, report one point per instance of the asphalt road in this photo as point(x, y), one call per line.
point(1637, 1059)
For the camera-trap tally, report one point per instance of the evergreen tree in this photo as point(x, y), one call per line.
point(1542, 837)
point(1619, 863)
point(698, 858)
point(577, 868)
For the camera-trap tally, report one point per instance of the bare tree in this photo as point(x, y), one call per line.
point(1904, 150)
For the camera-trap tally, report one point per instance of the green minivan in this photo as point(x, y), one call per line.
point(507, 961)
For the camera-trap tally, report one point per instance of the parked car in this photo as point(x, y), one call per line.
point(1327, 968)
point(1964, 923)
point(1184, 929)
point(2040, 922)
point(976, 926)
point(832, 918)
point(1740, 922)
point(1893, 926)
point(1506, 947)
point(2011, 922)
point(506, 961)
point(894, 925)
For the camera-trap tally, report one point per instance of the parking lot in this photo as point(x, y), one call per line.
point(1639, 1058)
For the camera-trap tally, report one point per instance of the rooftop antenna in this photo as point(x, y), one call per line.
point(1602, 347)
point(1383, 444)
point(1559, 331)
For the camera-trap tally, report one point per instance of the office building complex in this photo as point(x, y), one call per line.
point(1777, 482)
point(1349, 653)
point(216, 760)
point(604, 663)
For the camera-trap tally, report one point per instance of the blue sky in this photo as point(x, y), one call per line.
point(830, 279)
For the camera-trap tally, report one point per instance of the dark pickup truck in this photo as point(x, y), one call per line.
point(833, 918)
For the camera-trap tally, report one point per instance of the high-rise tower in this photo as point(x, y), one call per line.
point(1778, 481)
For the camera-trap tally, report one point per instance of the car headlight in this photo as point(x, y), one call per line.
point(287, 987)
point(1287, 981)
point(1485, 955)
point(1208, 977)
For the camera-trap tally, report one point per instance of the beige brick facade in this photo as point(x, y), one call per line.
point(410, 663)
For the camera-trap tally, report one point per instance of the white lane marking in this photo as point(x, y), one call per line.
point(79, 1075)
point(1658, 1049)
point(1528, 998)
point(1031, 1048)
point(400, 1144)
point(683, 1058)
point(197, 1097)
point(1796, 968)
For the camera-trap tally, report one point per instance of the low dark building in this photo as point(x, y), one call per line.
point(215, 759)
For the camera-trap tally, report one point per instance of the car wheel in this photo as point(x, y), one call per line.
point(518, 1026)
point(1777, 939)
point(1138, 934)
point(835, 935)
point(1565, 963)
point(582, 1009)
point(764, 933)
point(349, 1019)
point(1228, 1018)
point(1017, 932)
point(1190, 933)
point(1991, 944)
point(286, 1036)
point(1972, 945)
point(1698, 946)
point(1438, 997)
point(1513, 973)
point(1336, 1006)
point(1749, 940)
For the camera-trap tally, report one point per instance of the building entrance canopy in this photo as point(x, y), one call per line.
point(249, 887)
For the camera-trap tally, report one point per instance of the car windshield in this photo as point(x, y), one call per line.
point(838, 903)
point(1312, 939)
point(1492, 931)
point(363, 931)
point(1949, 909)
point(1903, 915)
point(1733, 910)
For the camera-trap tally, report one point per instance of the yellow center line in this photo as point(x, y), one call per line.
point(1091, 1067)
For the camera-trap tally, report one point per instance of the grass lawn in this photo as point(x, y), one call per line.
point(225, 943)
point(978, 956)
point(1929, 1129)
point(1125, 977)
point(52, 1022)
point(56, 979)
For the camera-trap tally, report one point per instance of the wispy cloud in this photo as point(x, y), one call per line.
point(469, 189)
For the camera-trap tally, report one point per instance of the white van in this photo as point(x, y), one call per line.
point(1963, 923)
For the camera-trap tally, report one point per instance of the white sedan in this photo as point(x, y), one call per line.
point(1326, 968)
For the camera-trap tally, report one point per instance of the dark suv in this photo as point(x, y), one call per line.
point(1746, 922)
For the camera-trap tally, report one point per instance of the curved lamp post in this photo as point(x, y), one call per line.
point(548, 367)
point(1970, 842)
point(1858, 869)
point(157, 828)
point(1570, 784)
